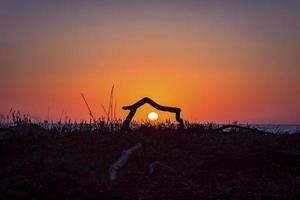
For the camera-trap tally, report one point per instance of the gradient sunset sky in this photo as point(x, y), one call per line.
point(218, 61)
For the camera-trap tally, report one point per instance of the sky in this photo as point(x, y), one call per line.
point(219, 61)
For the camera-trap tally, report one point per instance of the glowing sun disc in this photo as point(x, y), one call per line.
point(153, 116)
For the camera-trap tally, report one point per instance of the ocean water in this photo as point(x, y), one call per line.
point(271, 128)
point(278, 128)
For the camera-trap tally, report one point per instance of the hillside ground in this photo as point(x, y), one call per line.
point(201, 165)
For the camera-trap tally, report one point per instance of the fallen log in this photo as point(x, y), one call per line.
point(114, 168)
point(241, 127)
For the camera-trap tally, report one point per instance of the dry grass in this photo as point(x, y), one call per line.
point(73, 164)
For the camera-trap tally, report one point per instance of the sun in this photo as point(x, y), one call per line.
point(153, 116)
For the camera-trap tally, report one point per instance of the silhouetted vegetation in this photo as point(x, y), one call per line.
point(70, 160)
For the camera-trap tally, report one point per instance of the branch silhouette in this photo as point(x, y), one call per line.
point(132, 108)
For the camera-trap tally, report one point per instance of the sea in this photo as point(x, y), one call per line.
point(278, 128)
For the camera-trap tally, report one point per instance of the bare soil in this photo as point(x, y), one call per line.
point(206, 165)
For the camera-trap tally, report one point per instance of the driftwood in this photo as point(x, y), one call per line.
point(156, 164)
point(143, 101)
point(241, 127)
point(113, 170)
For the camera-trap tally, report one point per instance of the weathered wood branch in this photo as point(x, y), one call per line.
point(113, 170)
point(156, 164)
point(132, 108)
point(241, 127)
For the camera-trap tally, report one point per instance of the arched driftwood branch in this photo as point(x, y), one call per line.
point(143, 101)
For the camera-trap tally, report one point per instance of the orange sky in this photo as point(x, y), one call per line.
point(218, 63)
